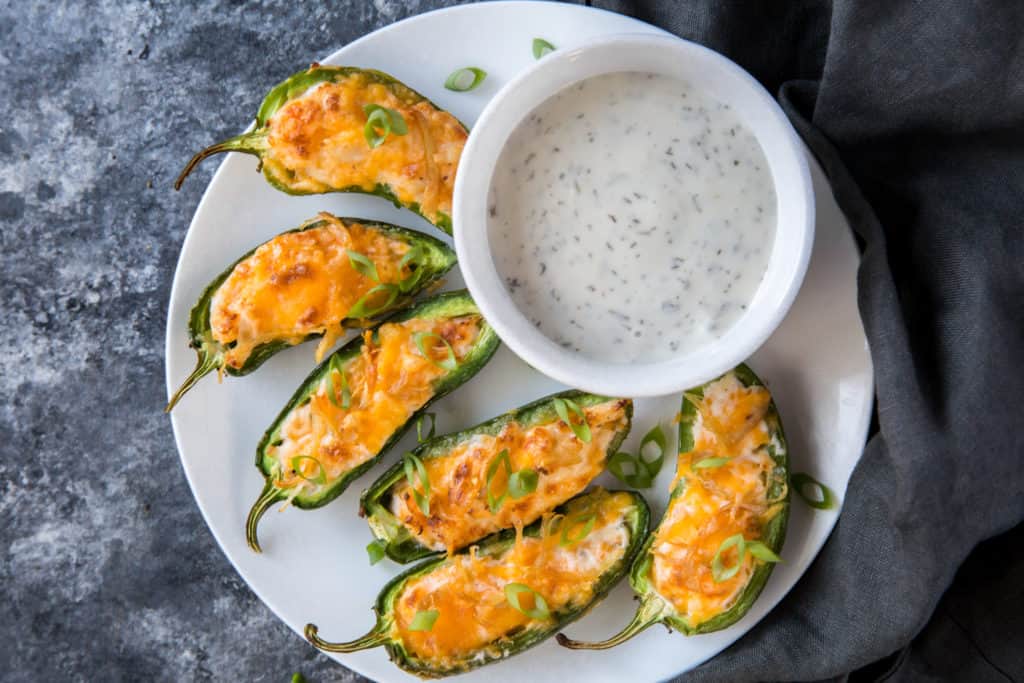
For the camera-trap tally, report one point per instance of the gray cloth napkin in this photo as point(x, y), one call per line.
point(916, 112)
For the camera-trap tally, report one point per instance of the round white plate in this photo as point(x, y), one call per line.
point(314, 568)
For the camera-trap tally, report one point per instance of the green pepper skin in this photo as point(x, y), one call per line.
point(637, 520)
point(447, 305)
point(438, 260)
point(255, 141)
point(403, 547)
point(655, 609)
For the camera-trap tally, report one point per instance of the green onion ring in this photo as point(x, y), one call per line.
point(457, 80)
point(424, 620)
point(540, 606)
point(801, 480)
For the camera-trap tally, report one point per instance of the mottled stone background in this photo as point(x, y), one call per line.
point(108, 572)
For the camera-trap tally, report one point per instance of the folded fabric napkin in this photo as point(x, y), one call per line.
point(916, 112)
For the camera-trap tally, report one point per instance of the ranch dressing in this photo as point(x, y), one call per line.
point(631, 217)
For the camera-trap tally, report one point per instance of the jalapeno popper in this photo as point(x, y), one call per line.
point(712, 553)
point(505, 472)
point(510, 592)
point(361, 399)
point(344, 129)
point(328, 274)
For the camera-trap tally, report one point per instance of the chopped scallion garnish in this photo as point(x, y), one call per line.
point(424, 620)
point(364, 308)
point(320, 478)
point(824, 500)
point(381, 119)
point(719, 571)
point(563, 407)
point(513, 591)
point(638, 477)
point(762, 552)
point(757, 549)
point(375, 551)
point(419, 427)
point(522, 483)
point(421, 340)
point(656, 437)
point(541, 47)
point(465, 79)
point(709, 463)
point(363, 265)
point(335, 366)
point(412, 258)
point(414, 470)
point(575, 529)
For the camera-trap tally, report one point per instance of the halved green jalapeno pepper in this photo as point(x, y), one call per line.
point(520, 589)
point(476, 476)
point(345, 129)
point(360, 400)
point(727, 515)
point(305, 283)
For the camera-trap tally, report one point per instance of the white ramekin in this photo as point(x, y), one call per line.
point(703, 69)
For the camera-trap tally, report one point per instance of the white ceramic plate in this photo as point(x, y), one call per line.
point(314, 568)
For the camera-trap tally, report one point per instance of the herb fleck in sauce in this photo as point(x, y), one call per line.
point(632, 217)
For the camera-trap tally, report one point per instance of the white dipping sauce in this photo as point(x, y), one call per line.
point(631, 217)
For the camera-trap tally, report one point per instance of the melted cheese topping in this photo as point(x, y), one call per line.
point(298, 284)
point(468, 591)
point(316, 141)
point(459, 513)
point(389, 381)
point(715, 503)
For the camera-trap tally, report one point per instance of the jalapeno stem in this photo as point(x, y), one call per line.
point(650, 613)
point(247, 143)
point(271, 494)
point(205, 364)
point(374, 638)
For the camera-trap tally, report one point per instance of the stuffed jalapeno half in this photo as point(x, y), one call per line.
point(712, 553)
point(360, 400)
point(345, 129)
point(509, 592)
point(314, 281)
point(505, 472)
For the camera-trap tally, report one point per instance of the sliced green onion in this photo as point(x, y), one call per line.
point(494, 502)
point(332, 392)
point(695, 399)
point(825, 500)
point(375, 551)
point(387, 120)
point(522, 483)
point(568, 537)
point(678, 489)
point(421, 339)
point(414, 470)
point(424, 620)
point(364, 309)
point(722, 573)
point(540, 606)
point(321, 476)
point(419, 427)
point(762, 552)
point(465, 79)
point(541, 47)
point(363, 265)
point(563, 406)
point(412, 259)
point(657, 437)
point(639, 478)
point(709, 463)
